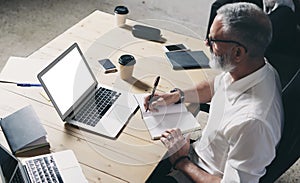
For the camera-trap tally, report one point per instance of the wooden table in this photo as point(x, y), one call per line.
point(133, 155)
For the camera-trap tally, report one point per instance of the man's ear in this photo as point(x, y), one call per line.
point(238, 53)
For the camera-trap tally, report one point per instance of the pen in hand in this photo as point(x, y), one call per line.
point(153, 91)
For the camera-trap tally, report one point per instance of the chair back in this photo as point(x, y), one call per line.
point(288, 149)
point(297, 10)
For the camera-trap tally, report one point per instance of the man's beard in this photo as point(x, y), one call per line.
point(221, 62)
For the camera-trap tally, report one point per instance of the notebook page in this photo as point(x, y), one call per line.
point(162, 110)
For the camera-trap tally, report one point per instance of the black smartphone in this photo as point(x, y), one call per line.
point(107, 65)
point(175, 47)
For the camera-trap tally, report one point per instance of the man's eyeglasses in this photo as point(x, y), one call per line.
point(211, 40)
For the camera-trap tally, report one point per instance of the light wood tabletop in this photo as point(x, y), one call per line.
point(132, 156)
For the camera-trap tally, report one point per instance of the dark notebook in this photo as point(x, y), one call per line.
point(147, 33)
point(188, 59)
point(24, 133)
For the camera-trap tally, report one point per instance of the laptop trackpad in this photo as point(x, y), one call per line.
point(120, 113)
point(73, 174)
point(115, 120)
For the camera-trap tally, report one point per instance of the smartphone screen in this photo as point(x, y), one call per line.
point(107, 65)
point(176, 47)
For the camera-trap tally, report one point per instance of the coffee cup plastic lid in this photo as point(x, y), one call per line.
point(121, 10)
point(127, 60)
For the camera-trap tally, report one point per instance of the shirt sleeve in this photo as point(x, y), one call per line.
point(252, 148)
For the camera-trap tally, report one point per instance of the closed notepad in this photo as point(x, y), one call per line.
point(187, 59)
point(23, 131)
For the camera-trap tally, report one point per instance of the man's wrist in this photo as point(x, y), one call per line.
point(181, 95)
point(179, 161)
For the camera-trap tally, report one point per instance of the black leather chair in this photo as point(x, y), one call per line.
point(297, 10)
point(287, 65)
point(288, 149)
point(218, 3)
point(285, 38)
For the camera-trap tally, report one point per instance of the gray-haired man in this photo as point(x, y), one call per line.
point(246, 115)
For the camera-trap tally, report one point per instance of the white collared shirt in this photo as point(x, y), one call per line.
point(244, 126)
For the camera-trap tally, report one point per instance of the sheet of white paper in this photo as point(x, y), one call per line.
point(19, 70)
point(24, 70)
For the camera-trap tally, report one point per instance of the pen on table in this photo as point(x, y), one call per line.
point(28, 85)
point(22, 84)
point(153, 91)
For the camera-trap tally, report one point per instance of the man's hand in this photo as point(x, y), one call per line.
point(178, 146)
point(160, 99)
point(176, 143)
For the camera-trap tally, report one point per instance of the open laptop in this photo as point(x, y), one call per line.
point(80, 100)
point(56, 167)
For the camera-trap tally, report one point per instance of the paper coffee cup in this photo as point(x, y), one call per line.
point(126, 72)
point(121, 13)
point(126, 66)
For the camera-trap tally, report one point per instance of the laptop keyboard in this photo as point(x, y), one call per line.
point(43, 169)
point(97, 106)
point(18, 177)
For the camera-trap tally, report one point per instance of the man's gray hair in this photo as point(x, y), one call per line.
point(248, 24)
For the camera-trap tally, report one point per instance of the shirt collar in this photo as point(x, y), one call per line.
point(237, 88)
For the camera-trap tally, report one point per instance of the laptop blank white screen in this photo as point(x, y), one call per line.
point(68, 80)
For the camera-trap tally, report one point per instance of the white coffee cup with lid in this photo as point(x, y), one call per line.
point(127, 63)
point(121, 13)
